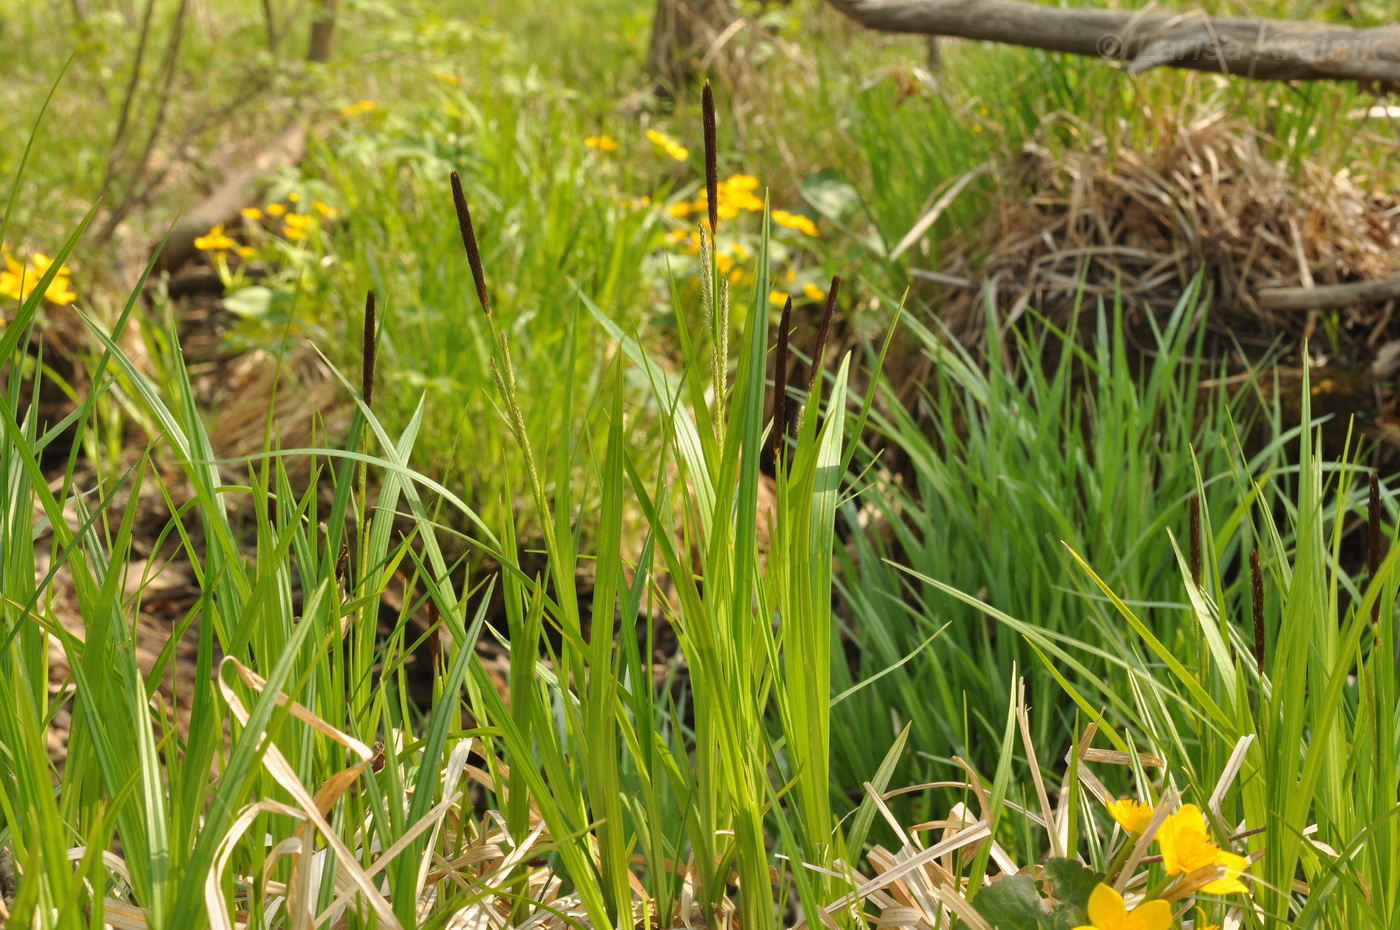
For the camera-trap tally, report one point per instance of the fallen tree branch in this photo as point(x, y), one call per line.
point(1278, 50)
point(1329, 295)
point(222, 206)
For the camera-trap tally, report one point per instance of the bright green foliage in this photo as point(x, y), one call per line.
point(1058, 440)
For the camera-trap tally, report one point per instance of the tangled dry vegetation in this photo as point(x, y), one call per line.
point(1207, 197)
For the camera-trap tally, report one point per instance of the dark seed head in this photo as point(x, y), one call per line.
point(464, 222)
point(819, 353)
point(1257, 595)
point(707, 106)
point(367, 372)
point(1373, 539)
point(780, 363)
point(1195, 507)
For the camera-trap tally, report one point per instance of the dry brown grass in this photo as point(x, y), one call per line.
point(1212, 198)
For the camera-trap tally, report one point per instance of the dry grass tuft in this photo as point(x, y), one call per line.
point(1212, 197)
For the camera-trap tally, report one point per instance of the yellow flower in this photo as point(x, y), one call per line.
point(812, 291)
point(293, 197)
point(601, 143)
point(214, 240)
point(358, 107)
point(18, 282)
point(298, 225)
point(59, 292)
point(1131, 815)
point(668, 145)
point(682, 208)
point(741, 182)
point(1186, 847)
point(275, 209)
point(1108, 911)
point(251, 213)
point(777, 298)
point(795, 221)
point(42, 263)
point(325, 209)
point(447, 77)
point(245, 251)
point(12, 278)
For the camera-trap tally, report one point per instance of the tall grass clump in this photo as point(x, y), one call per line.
point(699, 790)
point(1281, 674)
point(289, 781)
point(995, 464)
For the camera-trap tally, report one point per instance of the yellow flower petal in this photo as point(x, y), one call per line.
point(1186, 847)
point(777, 298)
point(1106, 907)
point(813, 292)
point(795, 221)
point(1108, 911)
point(275, 209)
point(251, 213)
point(358, 107)
point(601, 143)
point(1131, 815)
point(668, 145)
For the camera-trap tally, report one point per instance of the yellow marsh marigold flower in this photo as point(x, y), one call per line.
point(1108, 911)
point(325, 209)
point(682, 208)
point(275, 209)
point(735, 193)
point(42, 263)
point(18, 282)
point(795, 221)
point(298, 225)
point(245, 251)
point(601, 143)
point(777, 298)
point(668, 145)
point(251, 213)
point(1186, 847)
point(358, 107)
point(1133, 816)
point(813, 292)
point(214, 241)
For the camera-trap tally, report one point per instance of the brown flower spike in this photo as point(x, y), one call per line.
point(464, 222)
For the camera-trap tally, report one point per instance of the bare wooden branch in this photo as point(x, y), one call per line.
point(1265, 49)
point(1330, 295)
